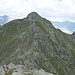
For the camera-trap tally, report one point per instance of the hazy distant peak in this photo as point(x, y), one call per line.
point(3, 19)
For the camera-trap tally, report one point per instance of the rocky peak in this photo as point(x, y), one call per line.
point(34, 16)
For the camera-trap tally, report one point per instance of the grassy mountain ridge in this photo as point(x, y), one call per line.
point(35, 43)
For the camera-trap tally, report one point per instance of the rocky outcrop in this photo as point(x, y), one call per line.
point(12, 69)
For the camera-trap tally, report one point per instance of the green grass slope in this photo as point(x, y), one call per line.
point(35, 43)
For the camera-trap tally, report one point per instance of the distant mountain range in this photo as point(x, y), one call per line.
point(33, 43)
point(67, 24)
point(3, 19)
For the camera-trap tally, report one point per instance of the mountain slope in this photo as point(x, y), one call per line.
point(36, 44)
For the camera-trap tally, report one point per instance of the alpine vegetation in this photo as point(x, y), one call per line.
point(33, 46)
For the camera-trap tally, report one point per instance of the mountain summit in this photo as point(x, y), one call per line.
point(33, 43)
point(33, 15)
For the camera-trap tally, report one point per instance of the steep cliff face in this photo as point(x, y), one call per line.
point(36, 44)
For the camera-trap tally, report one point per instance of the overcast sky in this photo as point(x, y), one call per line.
point(54, 10)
